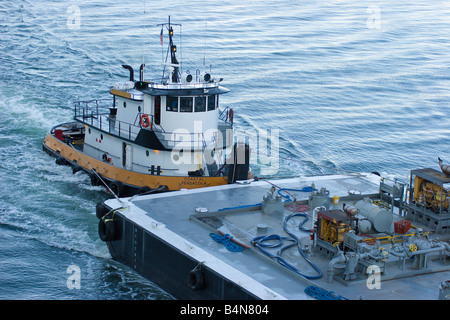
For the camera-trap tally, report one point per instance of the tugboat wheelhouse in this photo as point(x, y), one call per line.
point(153, 136)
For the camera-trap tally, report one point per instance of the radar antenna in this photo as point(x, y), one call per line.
point(175, 78)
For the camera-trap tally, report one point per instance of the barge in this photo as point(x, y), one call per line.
point(333, 237)
point(221, 234)
point(154, 135)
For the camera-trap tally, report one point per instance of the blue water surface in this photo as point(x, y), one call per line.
point(346, 85)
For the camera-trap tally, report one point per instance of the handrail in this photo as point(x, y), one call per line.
point(164, 83)
point(102, 120)
point(224, 115)
point(137, 120)
point(91, 114)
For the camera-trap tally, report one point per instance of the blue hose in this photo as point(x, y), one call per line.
point(260, 243)
point(319, 273)
point(300, 226)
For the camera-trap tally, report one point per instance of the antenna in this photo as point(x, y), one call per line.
point(172, 49)
point(143, 38)
point(204, 46)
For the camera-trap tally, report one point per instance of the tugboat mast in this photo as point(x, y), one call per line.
point(173, 49)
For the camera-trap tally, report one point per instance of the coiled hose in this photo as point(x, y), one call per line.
point(261, 243)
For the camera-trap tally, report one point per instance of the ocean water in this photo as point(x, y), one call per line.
point(346, 85)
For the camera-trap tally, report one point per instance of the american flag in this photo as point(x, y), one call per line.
point(161, 37)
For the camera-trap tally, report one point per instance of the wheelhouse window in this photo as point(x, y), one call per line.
point(172, 104)
point(200, 104)
point(186, 104)
point(211, 102)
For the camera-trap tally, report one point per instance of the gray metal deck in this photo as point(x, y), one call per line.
point(170, 216)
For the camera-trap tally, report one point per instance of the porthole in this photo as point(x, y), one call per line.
point(124, 104)
point(139, 109)
point(101, 137)
point(147, 153)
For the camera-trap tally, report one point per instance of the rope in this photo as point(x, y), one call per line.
point(321, 294)
point(297, 207)
point(98, 176)
point(226, 241)
point(304, 189)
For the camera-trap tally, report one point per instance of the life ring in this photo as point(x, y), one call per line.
point(106, 229)
point(145, 121)
point(196, 279)
point(230, 115)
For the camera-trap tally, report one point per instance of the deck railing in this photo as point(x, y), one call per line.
point(99, 114)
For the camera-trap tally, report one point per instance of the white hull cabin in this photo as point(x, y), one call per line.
point(154, 135)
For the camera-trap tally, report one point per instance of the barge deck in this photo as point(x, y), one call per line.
point(170, 238)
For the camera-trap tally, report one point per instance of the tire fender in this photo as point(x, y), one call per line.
point(196, 279)
point(106, 229)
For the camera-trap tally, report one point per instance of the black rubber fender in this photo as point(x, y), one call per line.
point(75, 169)
point(196, 279)
point(116, 187)
point(61, 161)
point(145, 190)
point(95, 180)
point(101, 209)
point(106, 229)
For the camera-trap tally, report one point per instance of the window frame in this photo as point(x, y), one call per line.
point(190, 108)
point(214, 99)
point(170, 108)
point(200, 98)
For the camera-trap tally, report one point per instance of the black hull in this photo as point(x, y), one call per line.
point(169, 268)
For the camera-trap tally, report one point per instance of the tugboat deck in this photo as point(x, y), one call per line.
point(186, 219)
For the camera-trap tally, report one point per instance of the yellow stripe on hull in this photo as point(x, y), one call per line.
point(129, 177)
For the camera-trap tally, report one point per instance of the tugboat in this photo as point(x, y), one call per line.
point(154, 136)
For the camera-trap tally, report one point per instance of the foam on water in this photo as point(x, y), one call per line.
point(343, 95)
